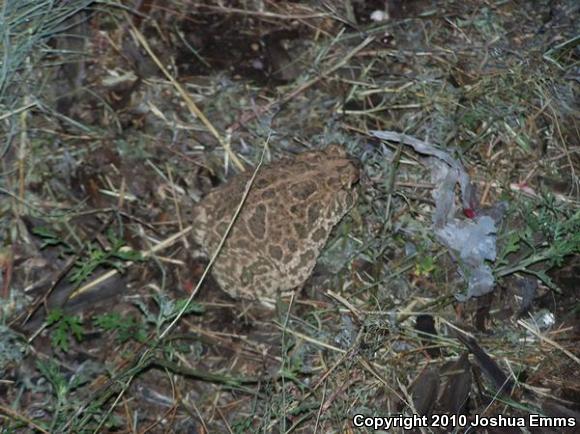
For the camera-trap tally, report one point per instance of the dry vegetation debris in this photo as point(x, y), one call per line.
point(117, 117)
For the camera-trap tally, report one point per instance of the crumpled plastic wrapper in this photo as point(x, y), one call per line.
point(472, 241)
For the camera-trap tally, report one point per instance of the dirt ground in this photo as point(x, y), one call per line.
point(118, 118)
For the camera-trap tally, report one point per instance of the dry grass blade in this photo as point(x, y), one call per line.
point(185, 95)
point(549, 341)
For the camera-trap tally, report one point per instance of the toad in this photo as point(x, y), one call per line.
point(288, 215)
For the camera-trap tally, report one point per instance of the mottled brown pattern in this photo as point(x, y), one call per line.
point(293, 205)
